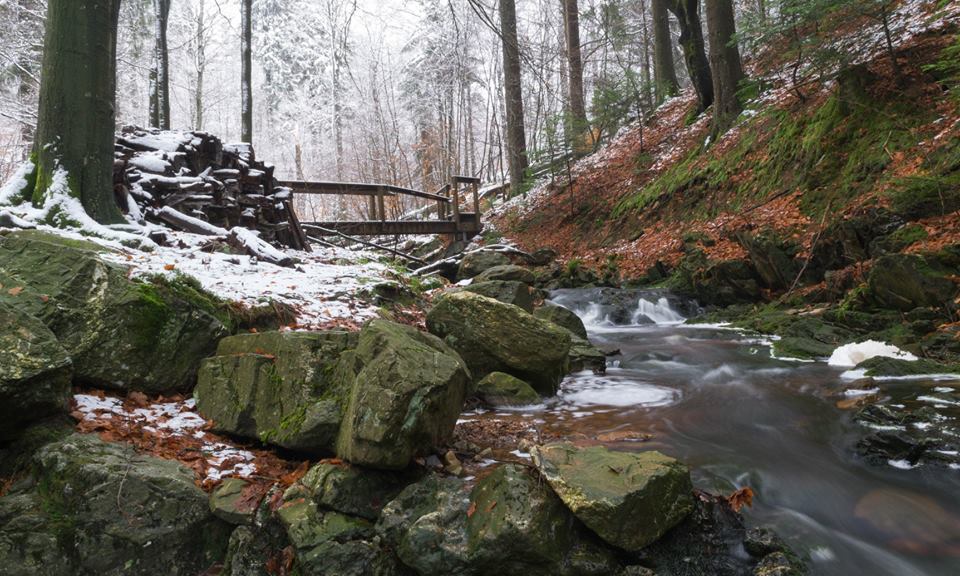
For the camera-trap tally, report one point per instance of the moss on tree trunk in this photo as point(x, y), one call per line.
point(75, 128)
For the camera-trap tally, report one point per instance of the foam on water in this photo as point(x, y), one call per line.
point(660, 313)
point(600, 391)
point(853, 354)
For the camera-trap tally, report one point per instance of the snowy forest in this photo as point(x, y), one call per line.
point(474, 287)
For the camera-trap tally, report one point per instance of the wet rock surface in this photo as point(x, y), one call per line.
point(629, 500)
point(492, 336)
point(121, 334)
point(99, 508)
point(35, 372)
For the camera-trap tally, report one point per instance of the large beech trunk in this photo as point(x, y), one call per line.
point(75, 128)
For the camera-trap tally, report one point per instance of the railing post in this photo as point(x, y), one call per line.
point(476, 200)
point(455, 187)
point(380, 204)
point(372, 202)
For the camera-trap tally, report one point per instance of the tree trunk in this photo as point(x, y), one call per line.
point(77, 114)
point(725, 62)
point(513, 91)
point(201, 66)
point(578, 125)
point(160, 96)
point(246, 57)
point(694, 50)
point(665, 73)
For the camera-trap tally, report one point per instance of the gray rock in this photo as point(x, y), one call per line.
point(629, 499)
point(35, 372)
point(277, 387)
point(475, 263)
point(508, 273)
point(120, 333)
point(100, 508)
point(407, 390)
point(492, 336)
point(508, 292)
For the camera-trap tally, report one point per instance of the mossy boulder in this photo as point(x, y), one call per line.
point(726, 283)
point(407, 389)
point(907, 281)
point(330, 542)
point(507, 273)
point(509, 292)
point(495, 337)
point(29, 539)
point(498, 389)
point(586, 356)
point(629, 499)
point(277, 387)
point(895, 367)
point(101, 508)
point(773, 260)
point(563, 317)
point(510, 524)
point(121, 333)
point(475, 263)
point(230, 503)
point(35, 372)
point(353, 490)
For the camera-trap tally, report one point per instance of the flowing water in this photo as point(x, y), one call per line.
point(717, 399)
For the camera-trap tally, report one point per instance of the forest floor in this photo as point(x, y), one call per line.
point(660, 183)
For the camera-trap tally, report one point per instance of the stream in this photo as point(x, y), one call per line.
point(716, 399)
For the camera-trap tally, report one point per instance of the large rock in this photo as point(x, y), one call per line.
point(586, 356)
point(495, 337)
point(510, 524)
point(120, 333)
point(509, 292)
point(35, 372)
point(406, 391)
point(498, 389)
point(277, 387)
point(330, 542)
point(562, 317)
point(100, 508)
point(907, 281)
point(475, 263)
point(353, 490)
point(630, 500)
point(507, 273)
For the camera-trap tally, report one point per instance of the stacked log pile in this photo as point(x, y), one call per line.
point(193, 182)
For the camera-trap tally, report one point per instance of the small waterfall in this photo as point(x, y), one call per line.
point(659, 313)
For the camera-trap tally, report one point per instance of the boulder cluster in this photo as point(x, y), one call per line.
point(369, 406)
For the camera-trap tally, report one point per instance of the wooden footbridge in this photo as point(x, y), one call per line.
point(451, 219)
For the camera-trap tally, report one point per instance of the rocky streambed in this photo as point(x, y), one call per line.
point(387, 484)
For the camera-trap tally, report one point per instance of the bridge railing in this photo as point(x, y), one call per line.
point(448, 198)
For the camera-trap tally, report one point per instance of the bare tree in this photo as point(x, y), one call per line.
point(513, 92)
point(160, 75)
point(725, 63)
point(665, 73)
point(694, 48)
point(578, 126)
point(246, 57)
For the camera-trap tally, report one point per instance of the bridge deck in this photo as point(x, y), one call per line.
point(468, 225)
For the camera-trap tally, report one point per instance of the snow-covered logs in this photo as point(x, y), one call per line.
point(193, 182)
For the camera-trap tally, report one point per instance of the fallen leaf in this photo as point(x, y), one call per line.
point(170, 267)
point(472, 510)
point(44, 298)
point(15, 291)
point(491, 506)
point(740, 498)
point(139, 399)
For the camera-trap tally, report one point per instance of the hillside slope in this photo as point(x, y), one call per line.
point(863, 150)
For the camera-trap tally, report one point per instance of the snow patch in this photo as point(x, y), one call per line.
point(852, 355)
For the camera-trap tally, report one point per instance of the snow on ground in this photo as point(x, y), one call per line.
point(326, 285)
point(851, 355)
point(173, 422)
